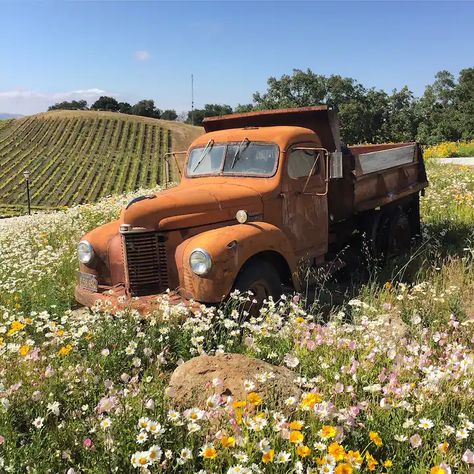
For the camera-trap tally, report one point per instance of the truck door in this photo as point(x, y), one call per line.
point(304, 192)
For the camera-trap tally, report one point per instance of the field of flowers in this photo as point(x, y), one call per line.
point(450, 149)
point(387, 379)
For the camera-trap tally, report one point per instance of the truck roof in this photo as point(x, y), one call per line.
point(281, 135)
point(320, 119)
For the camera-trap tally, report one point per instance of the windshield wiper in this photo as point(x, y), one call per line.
point(206, 150)
point(237, 153)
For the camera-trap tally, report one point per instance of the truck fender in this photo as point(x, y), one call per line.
point(230, 248)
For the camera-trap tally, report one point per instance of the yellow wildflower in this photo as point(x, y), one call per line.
point(268, 456)
point(209, 453)
point(15, 326)
point(327, 432)
point(354, 458)
point(303, 451)
point(65, 350)
point(371, 462)
point(296, 437)
point(310, 399)
point(343, 468)
point(388, 463)
point(228, 441)
point(336, 451)
point(24, 349)
point(375, 438)
point(438, 470)
point(296, 425)
point(443, 447)
point(321, 461)
point(239, 404)
point(254, 398)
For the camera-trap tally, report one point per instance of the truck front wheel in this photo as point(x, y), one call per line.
point(261, 278)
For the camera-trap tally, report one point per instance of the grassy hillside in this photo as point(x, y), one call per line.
point(80, 156)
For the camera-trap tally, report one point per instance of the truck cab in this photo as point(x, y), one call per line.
point(252, 206)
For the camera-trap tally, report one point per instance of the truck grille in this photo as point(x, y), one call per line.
point(145, 257)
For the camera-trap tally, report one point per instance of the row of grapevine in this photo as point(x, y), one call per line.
point(77, 159)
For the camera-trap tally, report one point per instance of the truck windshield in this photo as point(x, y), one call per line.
point(243, 158)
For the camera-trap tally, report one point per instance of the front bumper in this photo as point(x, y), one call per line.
point(114, 299)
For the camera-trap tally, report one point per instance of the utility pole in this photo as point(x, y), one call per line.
point(192, 99)
point(26, 174)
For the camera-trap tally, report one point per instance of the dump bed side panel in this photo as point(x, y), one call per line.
point(375, 175)
point(383, 175)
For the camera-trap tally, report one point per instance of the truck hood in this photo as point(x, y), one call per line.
point(192, 205)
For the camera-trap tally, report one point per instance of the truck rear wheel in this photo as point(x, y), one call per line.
point(388, 233)
point(261, 278)
point(400, 234)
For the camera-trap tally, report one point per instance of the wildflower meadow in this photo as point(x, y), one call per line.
point(450, 149)
point(386, 378)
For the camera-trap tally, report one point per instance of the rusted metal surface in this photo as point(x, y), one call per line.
point(321, 119)
point(148, 248)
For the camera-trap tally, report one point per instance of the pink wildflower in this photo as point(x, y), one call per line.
point(415, 441)
point(106, 405)
point(468, 457)
point(88, 443)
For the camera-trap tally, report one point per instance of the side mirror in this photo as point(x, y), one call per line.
point(335, 165)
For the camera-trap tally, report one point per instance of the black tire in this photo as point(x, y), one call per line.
point(413, 213)
point(375, 228)
point(261, 278)
point(400, 234)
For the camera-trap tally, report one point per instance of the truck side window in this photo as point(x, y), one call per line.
point(300, 163)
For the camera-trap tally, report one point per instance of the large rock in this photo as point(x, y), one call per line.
point(192, 382)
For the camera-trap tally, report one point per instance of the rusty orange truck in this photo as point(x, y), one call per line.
point(260, 193)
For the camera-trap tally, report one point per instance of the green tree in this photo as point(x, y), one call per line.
point(362, 112)
point(437, 112)
point(465, 103)
point(124, 108)
point(209, 110)
point(146, 108)
point(169, 115)
point(71, 105)
point(106, 103)
point(242, 108)
point(402, 120)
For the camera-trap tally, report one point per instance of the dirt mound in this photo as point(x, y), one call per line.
point(226, 375)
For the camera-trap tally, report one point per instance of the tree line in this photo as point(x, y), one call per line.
point(145, 108)
point(445, 112)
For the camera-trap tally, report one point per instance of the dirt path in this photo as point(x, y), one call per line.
point(466, 161)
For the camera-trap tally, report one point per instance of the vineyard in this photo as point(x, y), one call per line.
point(77, 157)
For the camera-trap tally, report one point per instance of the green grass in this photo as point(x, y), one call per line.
point(78, 157)
point(399, 349)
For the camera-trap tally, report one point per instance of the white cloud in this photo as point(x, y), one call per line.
point(142, 55)
point(26, 102)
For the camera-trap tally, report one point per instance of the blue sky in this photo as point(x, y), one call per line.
point(53, 51)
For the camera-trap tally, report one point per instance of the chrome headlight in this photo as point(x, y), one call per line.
point(85, 252)
point(200, 262)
